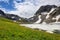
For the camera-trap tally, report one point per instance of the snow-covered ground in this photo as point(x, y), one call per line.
point(48, 27)
point(39, 20)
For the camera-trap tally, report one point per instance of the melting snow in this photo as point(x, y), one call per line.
point(50, 12)
point(57, 17)
point(48, 27)
point(39, 20)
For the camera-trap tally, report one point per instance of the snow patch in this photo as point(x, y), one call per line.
point(49, 28)
point(57, 17)
point(49, 31)
point(50, 12)
point(39, 20)
point(13, 17)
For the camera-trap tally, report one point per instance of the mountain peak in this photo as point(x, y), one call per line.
point(45, 8)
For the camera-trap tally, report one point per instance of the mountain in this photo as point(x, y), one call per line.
point(54, 16)
point(9, 16)
point(13, 17)
point(10, 30)
point(46, 8)
point(46, 14)
point(2, 13)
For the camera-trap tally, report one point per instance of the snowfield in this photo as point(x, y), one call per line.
point(48, 27)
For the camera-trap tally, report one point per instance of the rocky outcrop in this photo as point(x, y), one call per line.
point(54, 16)
point(13, 17)
point(2, 13)
point(46, 8)
point(33, 19)
point(46, 14)
point(9, 16)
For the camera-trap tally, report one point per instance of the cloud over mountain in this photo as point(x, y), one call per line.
point(27, 8)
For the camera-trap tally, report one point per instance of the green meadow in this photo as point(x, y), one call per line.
point(10, 30)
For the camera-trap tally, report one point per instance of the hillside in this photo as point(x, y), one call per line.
point(12, 31)
point(46, 14)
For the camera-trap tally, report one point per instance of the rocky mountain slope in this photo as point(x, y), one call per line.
point(9, 16)
point(46, 14)
point(13, 17)
point(10, 30)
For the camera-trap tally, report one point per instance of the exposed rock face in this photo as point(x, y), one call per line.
point(2, 13)
point(54, 16)
point(46, 8)
point(12, 17)
point(33, 19)
point(59, 20)
point(47, 14)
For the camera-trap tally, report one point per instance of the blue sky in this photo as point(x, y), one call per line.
point(9, 5)
point(25, 8)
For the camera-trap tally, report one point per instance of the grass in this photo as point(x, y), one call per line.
point(13, 31)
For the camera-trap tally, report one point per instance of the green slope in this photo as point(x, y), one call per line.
point(12, 31)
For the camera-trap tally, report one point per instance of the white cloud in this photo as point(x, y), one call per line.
point(51, 2)
point(44, 2)
point(25, 9)
point(29, 7)
point(3, 9)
